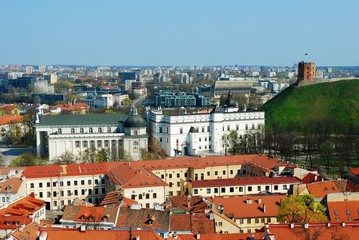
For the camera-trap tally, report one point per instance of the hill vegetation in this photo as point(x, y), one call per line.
point(318, 124)
point(335, 103)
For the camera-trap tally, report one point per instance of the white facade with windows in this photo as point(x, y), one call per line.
point(60, 191)
point(201, 133)
point(57, 134)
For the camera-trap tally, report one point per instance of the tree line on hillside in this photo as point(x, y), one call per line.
point(323, 142)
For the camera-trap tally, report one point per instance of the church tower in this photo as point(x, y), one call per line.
point(135, 134)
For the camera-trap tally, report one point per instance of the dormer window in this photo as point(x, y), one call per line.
point(59, 130)
point(81, 130)
point(91, 218)
point(90, 130)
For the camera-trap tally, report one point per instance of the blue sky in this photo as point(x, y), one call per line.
point(182, 32)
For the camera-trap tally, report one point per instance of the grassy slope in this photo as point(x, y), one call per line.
point(297, 105)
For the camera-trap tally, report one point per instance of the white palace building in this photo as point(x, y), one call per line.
point(75, 133)
point(202, 133)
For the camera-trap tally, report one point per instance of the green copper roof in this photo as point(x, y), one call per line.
point(81, 119)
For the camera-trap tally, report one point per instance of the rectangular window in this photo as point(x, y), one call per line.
point(40, 195)
point(258, 188)
point(40, 185)
point(208, 191)
point(83, 191)
point(257, 220)
point(275, 187)
point(223, 190)
point(154, 195)
point(249, 221)
point(75, 183)
point(181, 130)
point(231, 189)
point(216, 190)
point(54, 193)
point(99, 130)
point(77, 144)
point(240, 189)
point(48, 194)
point(195, 191)
point(82, 182)
point(249, 189)
point(75, 192)
point(224, 172)
point(108, 129)
point(267, 188)
point(99, 143)
point(89, 182)
point(72, 130)
point(48, 184)
point(68, 183)
point(90, 130)
point(84, 144)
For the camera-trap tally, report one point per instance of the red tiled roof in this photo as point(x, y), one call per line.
point(67, 170)
point(343, 211)
point(194, 204)
point(322, 230)
point(13, 222)
point(180, 222)
point(320, 189)
point(312, 177)
point(23, 207)
point(10, 119)
point(242, 181)
point(239, 207)
point(73, 107)
point(201, 223)
point(8, 108)
point(355, 171)
point(228, 236)
point(129, 177)
point(89, 214)
point(29, 232)
point(63, 233)
point(144, 218)
point(262, 161)
point(11, 185)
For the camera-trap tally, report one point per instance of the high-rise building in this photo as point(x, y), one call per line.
point(42, 68)
point(29, 69)
point(306, 71)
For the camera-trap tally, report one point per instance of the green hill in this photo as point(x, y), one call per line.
point(337, 102)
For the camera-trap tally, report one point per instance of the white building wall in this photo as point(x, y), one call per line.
point(150, 196)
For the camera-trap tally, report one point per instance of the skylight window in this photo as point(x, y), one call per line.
point(335, 212)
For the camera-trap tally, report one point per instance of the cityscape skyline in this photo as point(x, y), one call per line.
point(211, 33)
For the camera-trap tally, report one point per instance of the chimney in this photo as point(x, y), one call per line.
point(259, 200)
point(138, 238)
point(82, 228)
point(264, 208)
point(198, 236)
point(249, 201)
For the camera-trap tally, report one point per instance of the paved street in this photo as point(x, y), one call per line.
point(11, 153)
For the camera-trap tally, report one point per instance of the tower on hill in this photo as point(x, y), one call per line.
point(306, 71)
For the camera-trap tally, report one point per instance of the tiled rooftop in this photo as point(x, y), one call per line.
point(250, 206)
point(64, 233)
point(143, 218)
point(90, 214)
point(322, 231)
point(10, 119)
point(343, 211)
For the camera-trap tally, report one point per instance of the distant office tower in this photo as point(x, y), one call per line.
point(29, 69)
point(42, 68)
point(306, 71)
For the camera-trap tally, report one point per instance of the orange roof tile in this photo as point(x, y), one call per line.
point(63, 233)
point(320, 189)
point(28, 232)
point(23, 207)
point(67, 170)
point(343, 211)
point(311, 177)
point(13, 222)
point(355, 171)
point(250, 206)
point(201, 223)
point(89, 214)
point(129, 177)
point(11, 185)
point(180, 222)
point(193, 204)
point(144, 218)
point(10, 119)
point(322, 230)
point(228, 236)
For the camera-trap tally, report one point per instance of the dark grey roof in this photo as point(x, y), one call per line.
point(81, 119)
point(135, 121)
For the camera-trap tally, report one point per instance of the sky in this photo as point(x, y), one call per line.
point(182, 32)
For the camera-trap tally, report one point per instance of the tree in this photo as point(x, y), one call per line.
point(15, 134)
point(65, 158)
point(102, 156)
point(301, 209)
point(2, 160)
point(24, 160)
point(326, 151)
point(154, 151)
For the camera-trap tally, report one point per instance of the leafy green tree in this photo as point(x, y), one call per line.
point(26, 159)
point(301, 209)
point(102, 156)
point(66, 158)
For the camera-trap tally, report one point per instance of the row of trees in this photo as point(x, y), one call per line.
point(322, 142)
